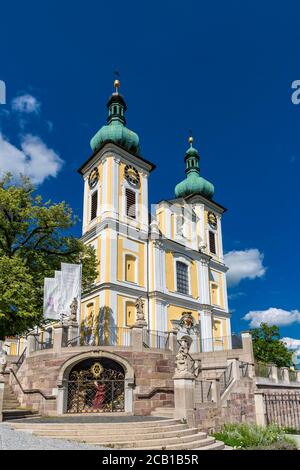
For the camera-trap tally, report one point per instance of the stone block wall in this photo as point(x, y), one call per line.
point(38, 377)
point(238, 407)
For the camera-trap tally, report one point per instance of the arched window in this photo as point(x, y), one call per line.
point(130, 268)
point(130, 313)
point(182, 276)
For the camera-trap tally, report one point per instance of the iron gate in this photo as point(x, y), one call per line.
point(96, 387)
point(283, 409)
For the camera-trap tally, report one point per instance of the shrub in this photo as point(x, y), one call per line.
point(251, 436)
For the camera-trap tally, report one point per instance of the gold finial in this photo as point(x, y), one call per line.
point(117, 81)
point(191, 139)
point(117, 85)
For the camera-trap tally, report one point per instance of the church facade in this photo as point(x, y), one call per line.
point(170, 256)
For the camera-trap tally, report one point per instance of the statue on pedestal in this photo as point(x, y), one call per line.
point(183, 359)
point(73, 310)
point(139, 305)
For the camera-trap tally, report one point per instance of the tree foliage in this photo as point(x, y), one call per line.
point(269, 348)
point(34, 239)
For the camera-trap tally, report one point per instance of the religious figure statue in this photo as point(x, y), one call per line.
point(139, 305)
point(73, 310)
point(187, 321)
point(3, 361)
point(99, 398)
point(183, 361)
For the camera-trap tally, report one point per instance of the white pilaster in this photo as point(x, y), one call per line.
point(206, 329)
point(115, 187)
point(144, 208)
point(85, 205)
point(203, 281)
point(104, 198)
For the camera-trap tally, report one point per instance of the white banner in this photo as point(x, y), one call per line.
point(71, 275)
point(51, 298)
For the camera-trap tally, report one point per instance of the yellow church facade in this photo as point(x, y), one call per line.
point(170, 254)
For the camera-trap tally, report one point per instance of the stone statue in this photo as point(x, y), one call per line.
point(73, 310)
point(187, 321)
point(139, 305)
point(3, 361)
point(183, 360)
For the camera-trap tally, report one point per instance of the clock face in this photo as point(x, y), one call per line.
point(93, 177)
point(132, 175)
point(212, 220)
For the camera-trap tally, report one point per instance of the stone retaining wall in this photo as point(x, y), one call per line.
point(39, 375)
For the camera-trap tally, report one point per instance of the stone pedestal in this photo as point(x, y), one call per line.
point(274, 373)
point(73, 333)
point(137, 335)
point(31, 343)
point(58, 331)
point(260, 409)
point(184, 394)
point(173, 343)
point(298, 376)
point(247, 346)
point(286, 377)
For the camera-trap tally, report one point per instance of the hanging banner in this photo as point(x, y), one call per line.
point(71, 276)
point(52, 296)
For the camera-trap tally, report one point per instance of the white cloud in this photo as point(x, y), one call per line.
point(26, 104)
point(244, 264)
point(34, 159)
point(293, 344)
point(272, 316)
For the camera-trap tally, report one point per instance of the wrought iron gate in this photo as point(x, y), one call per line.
point(283, 409)
point(97, 387)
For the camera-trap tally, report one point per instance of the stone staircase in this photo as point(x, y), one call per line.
point(168, 434)
point(11, 407)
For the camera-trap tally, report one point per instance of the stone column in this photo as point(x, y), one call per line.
point(298, 376)
point(247, 346)
point(286, 377)
point(184, 395)
point(206, 328)
point(274, 373)
point(260, 409)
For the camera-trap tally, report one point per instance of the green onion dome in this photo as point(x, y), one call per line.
point(193, 183)
point(115, 131)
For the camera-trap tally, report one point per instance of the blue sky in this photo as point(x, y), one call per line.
point(223, 69)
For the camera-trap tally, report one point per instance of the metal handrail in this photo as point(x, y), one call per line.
point(21, 359)
point(226, 378)
point(156, 339)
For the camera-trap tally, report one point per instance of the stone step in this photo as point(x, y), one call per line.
point(195, 443)
point(163, 412)
point(114, 437)
point(177, 428)
point(218, 445)
point(18, 413)
point(141, 443)
point(125, 425)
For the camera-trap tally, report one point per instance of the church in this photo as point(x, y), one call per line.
point(170, 255)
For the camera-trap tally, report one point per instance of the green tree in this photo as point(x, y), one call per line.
point(269, 348)
point(34, 239)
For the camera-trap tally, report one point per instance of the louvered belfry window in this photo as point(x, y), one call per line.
point(130, 203)
point(94, 205)
point(182, 276)
point(212, 242)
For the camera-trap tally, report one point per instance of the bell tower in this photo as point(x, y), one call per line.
point(115, 213)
